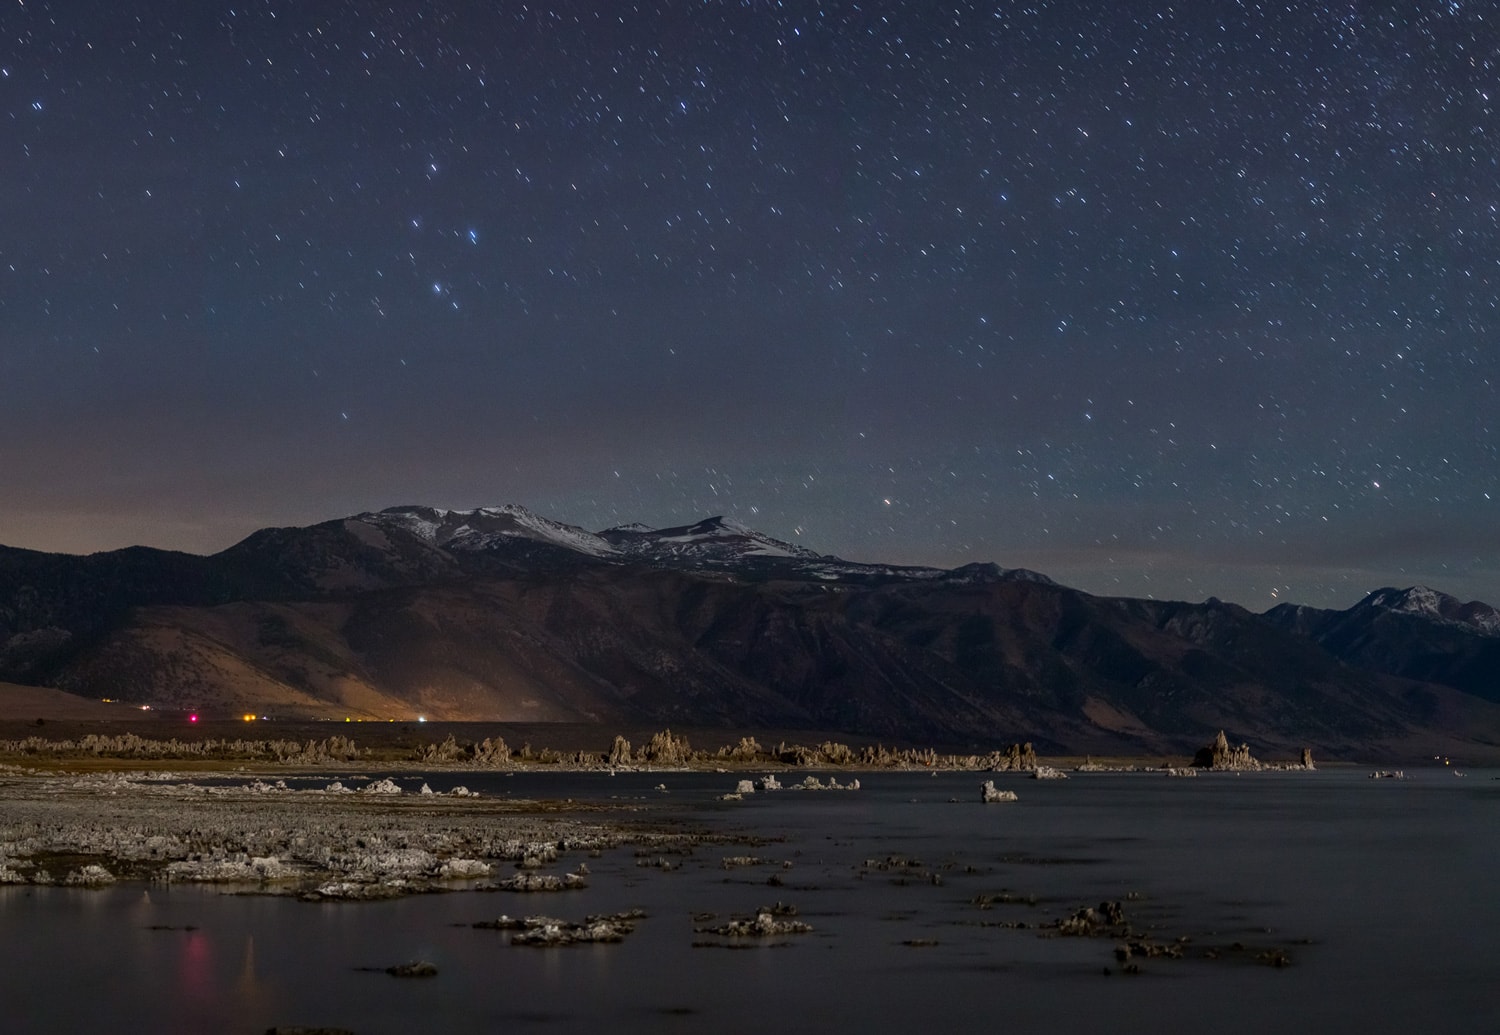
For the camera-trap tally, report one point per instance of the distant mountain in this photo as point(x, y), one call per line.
point(1415, 633)
point(501, 614)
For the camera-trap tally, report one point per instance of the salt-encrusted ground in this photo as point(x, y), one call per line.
point(333, 842)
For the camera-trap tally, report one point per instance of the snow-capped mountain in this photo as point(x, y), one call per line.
point(713, 544)
point(1415, 633)
point(713, 540)
point(498, 613)
point(1436, 606)
point(483, 528)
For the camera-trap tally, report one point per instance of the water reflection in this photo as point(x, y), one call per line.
point(253, 995)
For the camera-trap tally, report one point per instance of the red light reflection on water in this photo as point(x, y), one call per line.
point(195, 970)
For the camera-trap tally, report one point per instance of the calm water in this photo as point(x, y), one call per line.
point(1391, 882)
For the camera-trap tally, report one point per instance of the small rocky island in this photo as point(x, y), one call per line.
point(1220, 756)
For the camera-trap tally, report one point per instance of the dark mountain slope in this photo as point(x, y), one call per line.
point(1414, 633)
point(500, 614)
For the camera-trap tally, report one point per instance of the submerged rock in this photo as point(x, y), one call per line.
point(1091, 920)
point(415, 969)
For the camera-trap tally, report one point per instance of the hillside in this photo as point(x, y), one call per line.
point(503, 615)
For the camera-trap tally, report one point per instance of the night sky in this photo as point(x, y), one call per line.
point(1171, 300)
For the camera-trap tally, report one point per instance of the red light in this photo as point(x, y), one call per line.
point(192, 718)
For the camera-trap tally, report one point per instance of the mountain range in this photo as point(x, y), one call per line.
point(500, 614)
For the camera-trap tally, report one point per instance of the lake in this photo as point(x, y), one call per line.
point(1379, 892)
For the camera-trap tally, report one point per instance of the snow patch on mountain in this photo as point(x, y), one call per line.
point(713, 544)
point(487, 527)
point(715, 540)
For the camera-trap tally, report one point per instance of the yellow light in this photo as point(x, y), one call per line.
point(250, 718)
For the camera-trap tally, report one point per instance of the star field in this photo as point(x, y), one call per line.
point(1160, 299)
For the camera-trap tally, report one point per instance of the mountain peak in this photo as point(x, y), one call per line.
point(486, 527)
point(713, 541)
point(1435, 606)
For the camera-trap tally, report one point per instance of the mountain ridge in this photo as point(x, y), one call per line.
point(501, 614)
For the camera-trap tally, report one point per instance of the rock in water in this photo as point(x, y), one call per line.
point(990, 793)
point(764, 925)
point(1219, 755)
point(538, 882)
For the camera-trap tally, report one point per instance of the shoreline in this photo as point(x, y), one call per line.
point(664, 752)
point(591, 745)
point(338, 842)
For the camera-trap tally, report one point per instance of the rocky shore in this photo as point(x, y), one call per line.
point(336, 842)
point(663, 750)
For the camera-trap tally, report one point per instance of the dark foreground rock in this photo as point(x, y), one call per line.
point(415, 969)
